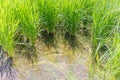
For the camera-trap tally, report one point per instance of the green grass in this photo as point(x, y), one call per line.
point(106, 35)
point(8, 26)
point(71, 13)
point(47, 11)
point(104, 20)
point(113, 64)
point(26, 13)
point(108, 67)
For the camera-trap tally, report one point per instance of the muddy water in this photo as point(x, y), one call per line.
point(61, 63)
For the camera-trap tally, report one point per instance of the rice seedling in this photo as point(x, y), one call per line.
point(8, 27)
point(112, 67)
point(47, 10)
point(88, 9)
point(104, 18)
point(72, 13)
point(47, 15)
point(26, 35)
point(71, 16)
point(26, 13)
point(106, 37)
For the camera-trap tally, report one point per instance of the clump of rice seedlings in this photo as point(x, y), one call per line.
point(71, 16)
point(47, 19)
point(72, 12)
point(47, 15)
point(26, 13)
point(112, 67)
point(88, 9)
point(8, 27)
point(104, 18)
point(106, 35)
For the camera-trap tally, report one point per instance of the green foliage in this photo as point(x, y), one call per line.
point(8, 26)
point(104, 20)
point(71, 15)
point(47, 10)
point(72, 12)
point(26, 13)
point(113, 64)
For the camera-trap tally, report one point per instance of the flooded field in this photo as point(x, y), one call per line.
point(60, 63)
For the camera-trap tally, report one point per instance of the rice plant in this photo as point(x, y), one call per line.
point(26, 13)
point(110, 60)
point(104, 19)
point(88, 9)
point(47, 15)
point(26, 35)
point(106, 16)
point(8, 27)
point(72, 13)
point(112, 67)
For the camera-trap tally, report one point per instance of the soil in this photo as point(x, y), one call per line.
point(58, 62)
